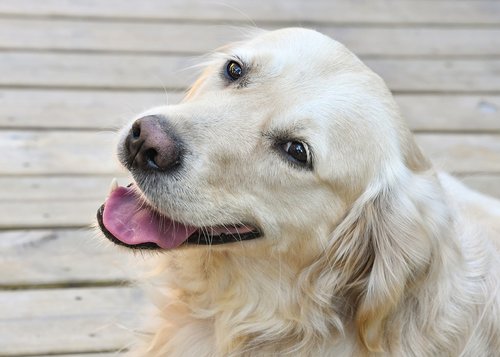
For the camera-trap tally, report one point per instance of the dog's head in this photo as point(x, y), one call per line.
point(278, 136)
point(286, 141)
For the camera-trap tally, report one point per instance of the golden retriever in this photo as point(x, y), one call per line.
point(300, 218)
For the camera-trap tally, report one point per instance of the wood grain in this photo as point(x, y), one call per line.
point(195, 38)
point(65, 257)
point(85, 354)
point(292, 11)
point(77, 108)
point(462, 153)
point(40, 152)
point(56, 188)
point(451, 112)
point(488, 184)
point(60, 321)
point(15, 214)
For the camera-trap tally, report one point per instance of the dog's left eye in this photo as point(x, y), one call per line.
point(297, 151)
point(234, 70)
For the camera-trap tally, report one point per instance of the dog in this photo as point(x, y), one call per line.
point(298, 216)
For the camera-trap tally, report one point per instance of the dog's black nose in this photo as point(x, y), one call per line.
point(151, 146)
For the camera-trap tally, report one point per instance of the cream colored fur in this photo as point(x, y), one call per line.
point(370, 253)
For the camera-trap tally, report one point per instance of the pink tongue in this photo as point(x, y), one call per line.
point(132, 222)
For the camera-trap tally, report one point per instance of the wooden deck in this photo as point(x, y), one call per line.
point(72, 71)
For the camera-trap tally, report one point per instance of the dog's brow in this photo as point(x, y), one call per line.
point(233, 55)
point(282, 133)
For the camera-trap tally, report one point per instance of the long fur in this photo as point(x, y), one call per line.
point(402, 264)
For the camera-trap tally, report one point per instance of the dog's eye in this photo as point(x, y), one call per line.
point(234, 70)
point(297, 151)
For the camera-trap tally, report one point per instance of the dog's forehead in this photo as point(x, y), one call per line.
point(291, 47)
point(291, 39)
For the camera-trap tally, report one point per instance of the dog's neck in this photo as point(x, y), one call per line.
point(254, 299)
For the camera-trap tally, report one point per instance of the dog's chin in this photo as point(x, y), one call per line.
point(127, 219)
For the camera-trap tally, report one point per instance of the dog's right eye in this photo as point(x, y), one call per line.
point(297, 152)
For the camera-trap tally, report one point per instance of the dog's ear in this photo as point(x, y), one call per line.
point(399, 250)
point(380, 250)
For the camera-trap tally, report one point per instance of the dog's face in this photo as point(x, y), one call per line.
point(277, 138)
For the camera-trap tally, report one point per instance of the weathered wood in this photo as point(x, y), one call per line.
point(48, 213)
point(65, 70)
point(462, 153)
point(90, 35)
point(65, 257)
point(488, 184)
point(95, 70)
point(76, 108)
point(56, 188)
point(38, 152)
point(295, 11)
point(71, 152)
point(52, 201)
point(451, 112)
point(68, 321)
point(438, 75)
point(112, 109)
point(416, 41)
point(57, 34)
point(85, 354)
point(100, 354)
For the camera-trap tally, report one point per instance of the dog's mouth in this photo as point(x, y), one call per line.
point(126, 219)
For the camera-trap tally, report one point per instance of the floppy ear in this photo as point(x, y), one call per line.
point(380, 249)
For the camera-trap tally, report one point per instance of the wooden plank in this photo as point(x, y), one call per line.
point(462, 153)
point(68, 320)
point(49, 152)
point(52, 201)
point(65, 70)
point(91, 301)
point(438, 75)
point(295, 11)
point(85, 354)
point(488, 184)
point(416, 41)
point(100, 354)
point(111, 109)
point(57, 34)
point(72, 152)
point(76, 108)
point(451, 112)
point(56, 188)
point(65, 257)
point(94, 70)
point(48, 213)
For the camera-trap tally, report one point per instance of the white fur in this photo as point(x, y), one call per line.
point(370, 253)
